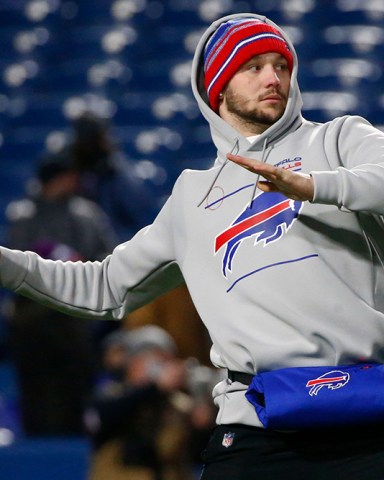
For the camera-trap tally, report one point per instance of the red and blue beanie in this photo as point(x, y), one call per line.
point(233, 44)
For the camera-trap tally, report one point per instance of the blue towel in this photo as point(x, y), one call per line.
point(318, 397)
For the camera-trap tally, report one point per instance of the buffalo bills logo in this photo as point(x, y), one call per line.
point(267, 218)
point(332, 380)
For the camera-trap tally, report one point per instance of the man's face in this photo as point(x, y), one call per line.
point(256, 96)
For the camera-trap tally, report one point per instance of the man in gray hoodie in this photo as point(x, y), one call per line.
point(283, 258)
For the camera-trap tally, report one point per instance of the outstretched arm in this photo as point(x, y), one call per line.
point(298, 186)
point(134, 274)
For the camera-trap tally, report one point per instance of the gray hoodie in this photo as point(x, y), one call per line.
point(277, 282)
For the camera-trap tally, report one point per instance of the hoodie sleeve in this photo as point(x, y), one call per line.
point(135, 273)
point(357, 184)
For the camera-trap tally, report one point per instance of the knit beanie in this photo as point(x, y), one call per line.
point(233, 44)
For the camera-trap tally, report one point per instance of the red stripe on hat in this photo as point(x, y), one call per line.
point(227, 37)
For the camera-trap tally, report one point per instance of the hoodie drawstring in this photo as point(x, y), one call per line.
point(263, 160)
point(234, 151)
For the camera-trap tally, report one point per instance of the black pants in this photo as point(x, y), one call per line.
point(252, 453)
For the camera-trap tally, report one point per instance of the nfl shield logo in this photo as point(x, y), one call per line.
point(228, 439)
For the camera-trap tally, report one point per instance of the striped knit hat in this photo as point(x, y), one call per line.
point(233, 44)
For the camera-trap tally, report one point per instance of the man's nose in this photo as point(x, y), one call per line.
point(271, 77)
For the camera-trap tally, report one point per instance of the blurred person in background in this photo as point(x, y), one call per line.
point(145, 413)
point(55, 355)
point(108, 177)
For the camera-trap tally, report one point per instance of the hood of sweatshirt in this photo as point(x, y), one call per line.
point(224, 136)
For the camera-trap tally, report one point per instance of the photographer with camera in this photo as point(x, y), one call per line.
point(139, 419)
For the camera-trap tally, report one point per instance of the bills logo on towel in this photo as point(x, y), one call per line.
point(332, 380)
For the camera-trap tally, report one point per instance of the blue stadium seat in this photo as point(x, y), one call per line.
point(42, 458)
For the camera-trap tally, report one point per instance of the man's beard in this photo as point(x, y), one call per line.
point(237, 105)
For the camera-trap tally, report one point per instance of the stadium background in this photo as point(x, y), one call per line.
point(129, 61)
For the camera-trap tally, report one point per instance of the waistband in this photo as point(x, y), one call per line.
point(244, 378)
